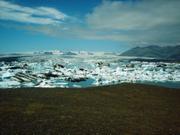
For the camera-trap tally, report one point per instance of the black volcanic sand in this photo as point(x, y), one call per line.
point(127, 109)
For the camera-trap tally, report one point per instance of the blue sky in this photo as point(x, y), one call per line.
point(90, 25)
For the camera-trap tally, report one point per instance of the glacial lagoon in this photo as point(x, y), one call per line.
point(84, 69)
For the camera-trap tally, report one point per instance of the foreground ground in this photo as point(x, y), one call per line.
point(127, 109)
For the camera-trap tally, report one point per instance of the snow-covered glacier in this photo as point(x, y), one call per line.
point(82, 69)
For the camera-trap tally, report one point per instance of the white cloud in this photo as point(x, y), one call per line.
point(150, 21)
point(38, 15)
point(144, 14)
point(143, 22)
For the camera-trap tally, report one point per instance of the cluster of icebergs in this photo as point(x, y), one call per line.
point(83, 71)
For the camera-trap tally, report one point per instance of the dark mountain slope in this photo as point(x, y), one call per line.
point(168, 52)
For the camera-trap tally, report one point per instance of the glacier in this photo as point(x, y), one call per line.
point(83, 69)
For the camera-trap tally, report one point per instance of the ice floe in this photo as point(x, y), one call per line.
point(83, 69)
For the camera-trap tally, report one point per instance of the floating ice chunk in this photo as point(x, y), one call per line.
point(29, 84)
point(76, 86)
point(7, 75)
point(9, 84)
point(44, 84)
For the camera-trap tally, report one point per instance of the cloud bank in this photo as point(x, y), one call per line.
point(39, 15)
point(143, 15)
point(143, 22)
point(146, 21)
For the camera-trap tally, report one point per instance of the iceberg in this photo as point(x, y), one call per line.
point(84, 70)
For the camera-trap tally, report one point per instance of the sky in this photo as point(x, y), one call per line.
point(87, 25)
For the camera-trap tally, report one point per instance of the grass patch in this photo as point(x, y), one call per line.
point(112, 110)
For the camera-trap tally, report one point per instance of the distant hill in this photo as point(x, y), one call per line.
point(70, 53)
point(168, 52)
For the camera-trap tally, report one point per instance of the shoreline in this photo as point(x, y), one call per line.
point(101, 86)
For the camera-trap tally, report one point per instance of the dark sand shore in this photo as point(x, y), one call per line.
point(126, 109)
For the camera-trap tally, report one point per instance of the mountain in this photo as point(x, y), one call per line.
point(168, 52)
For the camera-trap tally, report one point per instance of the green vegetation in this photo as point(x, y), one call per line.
point(127, 109)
